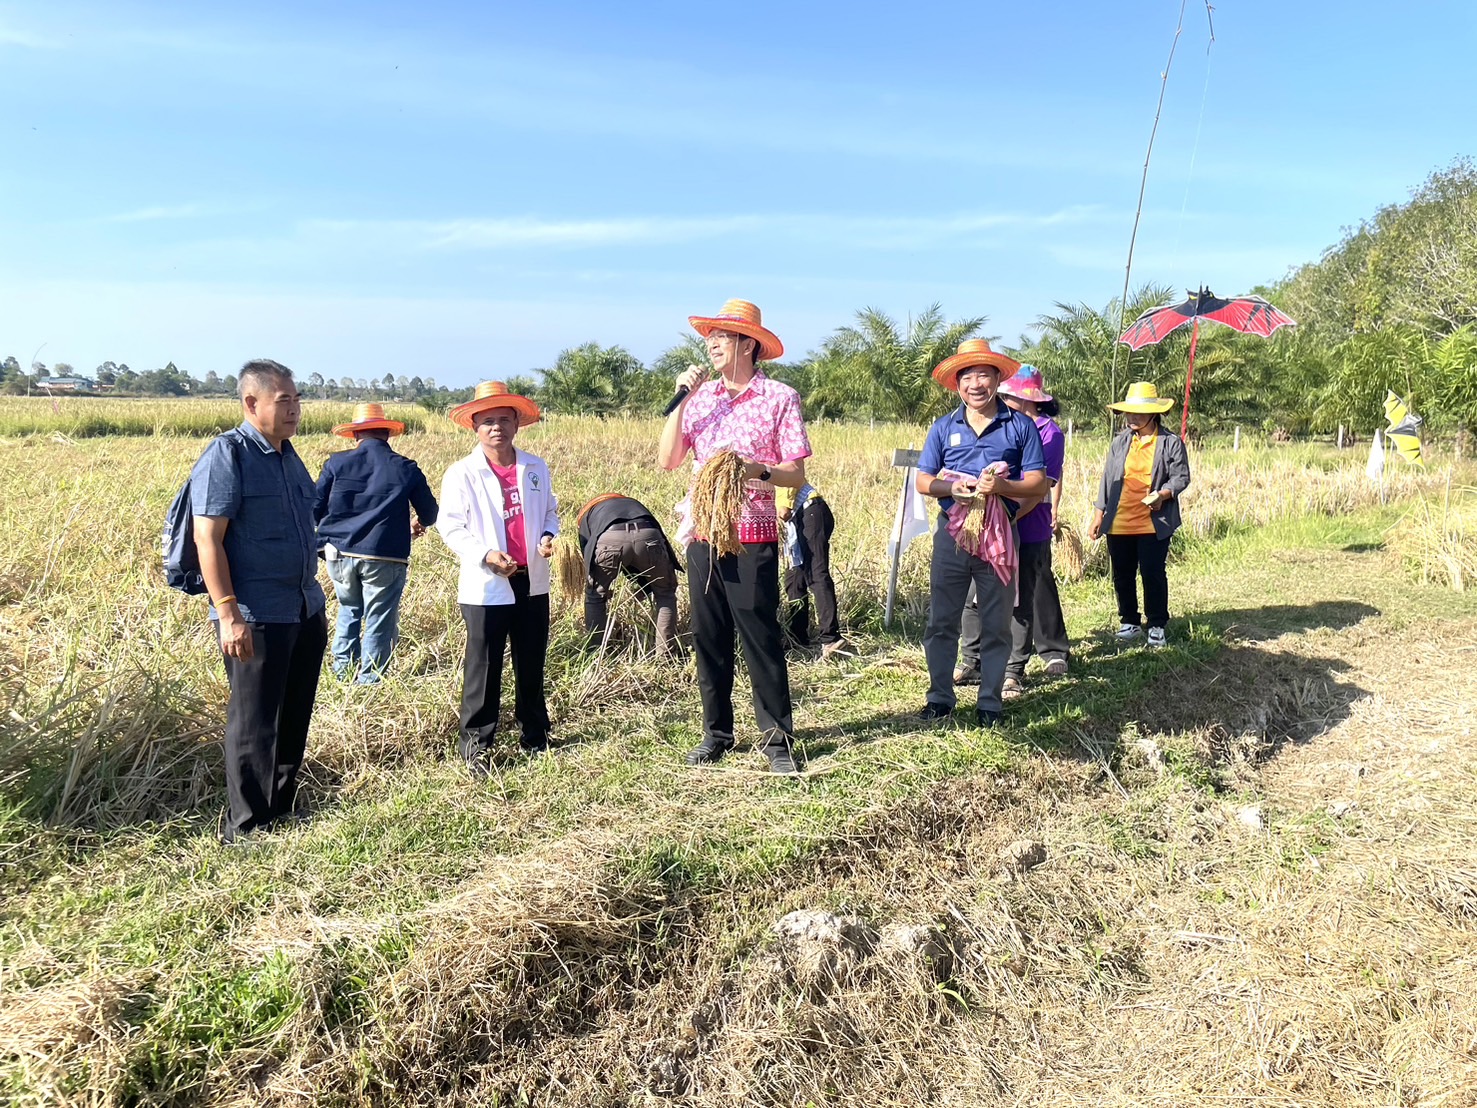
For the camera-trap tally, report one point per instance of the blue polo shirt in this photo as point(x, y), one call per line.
point(270, 544)
point(1010, 437)
point(364, 500)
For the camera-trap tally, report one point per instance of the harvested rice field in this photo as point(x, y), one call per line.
point(1236, 871)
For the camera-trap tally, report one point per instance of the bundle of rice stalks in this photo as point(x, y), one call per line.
point(973, 527)
point(1067, 554)
point(718, 501)
point(569, 567)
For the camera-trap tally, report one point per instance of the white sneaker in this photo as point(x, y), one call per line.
point(1128, 631)
point(1156, 638)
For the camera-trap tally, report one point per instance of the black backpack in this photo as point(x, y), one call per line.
point(181, 556)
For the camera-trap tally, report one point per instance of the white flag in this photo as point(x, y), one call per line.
point(1376, 466)
point(912, 514)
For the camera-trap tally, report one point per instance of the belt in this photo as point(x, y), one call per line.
point(633, 525)
point(521, 571)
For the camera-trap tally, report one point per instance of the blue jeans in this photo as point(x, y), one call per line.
point(369, 602)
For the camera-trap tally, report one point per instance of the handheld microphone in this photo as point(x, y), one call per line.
point(682, 392)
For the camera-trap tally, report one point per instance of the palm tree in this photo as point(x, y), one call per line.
point(592, 379)
point(877, 368)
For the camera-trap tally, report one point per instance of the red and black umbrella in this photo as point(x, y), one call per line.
point(1251, 315)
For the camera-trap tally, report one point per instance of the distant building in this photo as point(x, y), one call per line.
point(66, 384)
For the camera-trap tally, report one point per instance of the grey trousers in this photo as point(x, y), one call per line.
point(949, 578)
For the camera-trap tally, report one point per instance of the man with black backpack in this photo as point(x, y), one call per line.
point(252, 501)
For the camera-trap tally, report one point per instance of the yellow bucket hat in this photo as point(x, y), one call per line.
point(1144, 398)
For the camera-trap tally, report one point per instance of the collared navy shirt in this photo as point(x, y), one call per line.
point(1010, 437)
point(364, 501)
point(270, 547)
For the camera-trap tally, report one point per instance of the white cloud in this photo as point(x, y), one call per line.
point(878, 232)
point(158, 212)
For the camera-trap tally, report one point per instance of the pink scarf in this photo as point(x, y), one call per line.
point(996, 544)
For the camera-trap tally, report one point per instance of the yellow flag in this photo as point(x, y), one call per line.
point(1404, 430)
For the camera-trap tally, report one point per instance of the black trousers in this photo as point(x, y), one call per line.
point(814, 523)
point(1037, 625)
point(267, 718)
point(739, 593)
point(490, 629)
point(1143, 556)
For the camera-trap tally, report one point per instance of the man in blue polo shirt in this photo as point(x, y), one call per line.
point(364, 529)
point(981, 431)
point(252, 499)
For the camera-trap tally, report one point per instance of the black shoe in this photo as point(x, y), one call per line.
point(781, 762)
point(539, 747)
point(987, 718)
point(479, 765)
point(933, 712)
point(706, 753)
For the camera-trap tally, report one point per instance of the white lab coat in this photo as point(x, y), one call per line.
point(470, 521)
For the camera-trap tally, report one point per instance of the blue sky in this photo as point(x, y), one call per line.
point(461, 190)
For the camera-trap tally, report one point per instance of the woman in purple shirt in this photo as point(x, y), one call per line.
point(1037, 624)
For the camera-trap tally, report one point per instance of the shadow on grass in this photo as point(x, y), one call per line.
point(1216, 679)
point(1271, 620)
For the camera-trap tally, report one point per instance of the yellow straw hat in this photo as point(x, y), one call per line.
point(742, 318)
point(494, 394)
point(973, 352)
point(1143, 398)
point(367, 417)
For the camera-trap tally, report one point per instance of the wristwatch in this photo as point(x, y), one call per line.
point(765, 474)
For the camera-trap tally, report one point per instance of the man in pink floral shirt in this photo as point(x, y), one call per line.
point(758, 418)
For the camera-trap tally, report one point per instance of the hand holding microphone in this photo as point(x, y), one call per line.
point(686, 382)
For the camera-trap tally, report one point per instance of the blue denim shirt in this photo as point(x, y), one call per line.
point(1010, 437)
point(268, 497)
point(364, 501)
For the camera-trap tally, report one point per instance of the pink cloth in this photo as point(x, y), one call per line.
point(997, 544)
point(763, 423)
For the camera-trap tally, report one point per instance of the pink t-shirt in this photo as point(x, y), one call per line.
point(763, 423)
point(507, 477)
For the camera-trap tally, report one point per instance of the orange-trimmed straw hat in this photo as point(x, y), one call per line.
point(973, 352)
point(742, 318)
point(1143, 398)
point(601, 499)
point(494, 394)
point(367, 417)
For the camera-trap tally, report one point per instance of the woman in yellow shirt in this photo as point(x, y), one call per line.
point(1146, 471)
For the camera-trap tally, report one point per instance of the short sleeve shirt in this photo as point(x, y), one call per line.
point(763, 423)
point(271, 546)
point(1009, 437)
point(1036, 527)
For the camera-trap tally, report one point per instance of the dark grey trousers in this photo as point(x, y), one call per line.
point(949, 578)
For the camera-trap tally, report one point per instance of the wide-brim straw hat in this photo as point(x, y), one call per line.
point(1026, 385)
point(368, 417)
point(494, 394)
point(973, 352)
point(1144, 399)
point(742, 318)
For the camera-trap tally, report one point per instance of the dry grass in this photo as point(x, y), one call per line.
point(603, 928)
point(1438, 542)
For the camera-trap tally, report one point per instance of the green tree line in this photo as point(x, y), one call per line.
point(1392, 305)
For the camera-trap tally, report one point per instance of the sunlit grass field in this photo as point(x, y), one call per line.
point(423, 937)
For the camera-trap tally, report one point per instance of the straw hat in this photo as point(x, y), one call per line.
point(494, 394)
point(972, 352)
point(367, 417)
point(1144, 398)
point(1026, 385)
point(742, 318)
